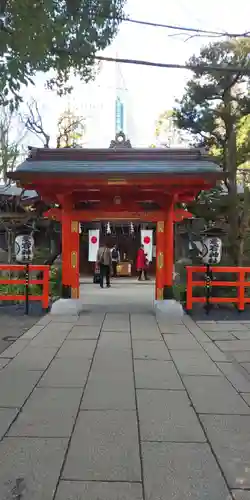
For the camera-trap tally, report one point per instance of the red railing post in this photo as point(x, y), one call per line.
point(45, 296)
point(241, 289)
point(189, 300)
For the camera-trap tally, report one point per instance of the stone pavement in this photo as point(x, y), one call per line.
point(115, 406)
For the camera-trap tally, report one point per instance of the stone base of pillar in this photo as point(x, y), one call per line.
point(66, 307)
point(170, 310)
point(168, 292)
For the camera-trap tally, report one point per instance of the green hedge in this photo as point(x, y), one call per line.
point(55, 281)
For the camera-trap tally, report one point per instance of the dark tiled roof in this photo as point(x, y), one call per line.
point(118, 167)
point(13, 190)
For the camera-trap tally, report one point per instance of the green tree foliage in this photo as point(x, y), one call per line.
point(166, 130)
point(60, 35)
point(243, 141)
point(215, 109)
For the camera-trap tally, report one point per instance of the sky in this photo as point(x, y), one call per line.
point(146, 91)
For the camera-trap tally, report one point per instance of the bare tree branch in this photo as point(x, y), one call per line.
point(34, 123)
point(11, 139)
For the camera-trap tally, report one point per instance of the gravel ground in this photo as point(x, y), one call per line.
point(13, 322)
point(198, 313)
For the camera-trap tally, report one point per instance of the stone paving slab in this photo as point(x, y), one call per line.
point(116, 322)
point(32, 332)
point(182, 342)
point(44, 321)
point(246, 366)
point(150, 374)
point(110, 385)
point(240, 356)
point(229, 436)
point(235, 322)
point(150, 350)
point(114, 342)
point(162, 319)
point(114, 357)
point(215, 353)
point(37, 461)
point(167, 416)
point(196, 331)
point(14, 349)
point(77, 349)
point(221, 335)
point(3, 362)
point(242, 335)
point(49, 412)
point(7, 415)
point(98, 491)
point(16, 385)
point(34, 358)
point(144, 327)
point(209, 322)
point(236, 376)
point(246, 397)
point(176, 329)
point(90, 319)
point(228, 327)
point(241, 495)
point(200, 336)
point(65, 372)
point(234, 345)
point(49, 337)
point(104, 447)
point(112, 395)
point(55, 320)
point(84, 332)
point(194, 363)
point(183, 471)
point(214, 395)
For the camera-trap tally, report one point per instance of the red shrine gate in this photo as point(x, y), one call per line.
point(118, 184)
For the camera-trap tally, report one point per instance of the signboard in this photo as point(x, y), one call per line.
point(212, 251)
point(24, 248)
point(147, 242)
point(94, 237)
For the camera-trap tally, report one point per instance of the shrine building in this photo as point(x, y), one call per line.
point(117, 185)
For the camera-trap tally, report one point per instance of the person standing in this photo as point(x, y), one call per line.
point(104, 260)
point(141, 263)
point(115, 254)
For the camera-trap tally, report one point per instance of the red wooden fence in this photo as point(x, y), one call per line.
point(241, 284)
point(44, 298)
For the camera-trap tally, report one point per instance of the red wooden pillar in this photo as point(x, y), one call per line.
point(74, 259)
point(169, 251)
point(160, 244)
point(66, 253)
point(70, 250)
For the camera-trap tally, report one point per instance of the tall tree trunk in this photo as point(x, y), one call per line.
point(231, 167)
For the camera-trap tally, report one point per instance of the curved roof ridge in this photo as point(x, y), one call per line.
point(109, 154)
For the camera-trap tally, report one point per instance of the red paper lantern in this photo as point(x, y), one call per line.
point(147, 240)
point(93, 240)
